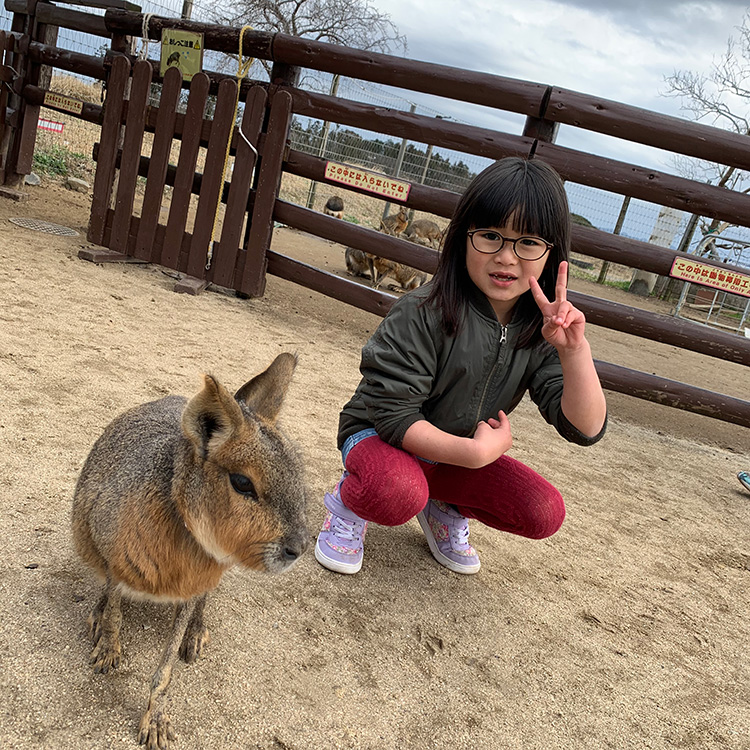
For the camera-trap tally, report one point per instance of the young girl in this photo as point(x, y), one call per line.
point(426, 432)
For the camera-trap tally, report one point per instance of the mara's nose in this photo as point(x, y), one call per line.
point(294, 547)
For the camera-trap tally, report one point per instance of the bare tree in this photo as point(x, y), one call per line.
point(350, 23)
point(722, 98)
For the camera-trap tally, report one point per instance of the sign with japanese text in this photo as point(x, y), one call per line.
point(63, 102)
point(183, 50)
point(55, 127)
point(696, 272)
point(369, 181)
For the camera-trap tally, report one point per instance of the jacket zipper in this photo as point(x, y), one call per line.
point(503, 338)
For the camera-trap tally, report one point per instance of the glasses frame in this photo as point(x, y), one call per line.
point(472, 232)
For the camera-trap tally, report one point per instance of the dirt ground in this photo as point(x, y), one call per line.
point(627, 629)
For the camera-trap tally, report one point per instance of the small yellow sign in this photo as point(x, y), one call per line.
point(58, 101)
point(369, 181)
point(702, 273)
point(181, 49)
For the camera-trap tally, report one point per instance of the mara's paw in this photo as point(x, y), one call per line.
point(106, 655)
point(193, 644)
point(155, 731)
point(94, 623)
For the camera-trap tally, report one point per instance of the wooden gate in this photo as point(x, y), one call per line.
point(221, 248)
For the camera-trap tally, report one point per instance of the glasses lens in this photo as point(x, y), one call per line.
point(530, 248)
point(486, 241)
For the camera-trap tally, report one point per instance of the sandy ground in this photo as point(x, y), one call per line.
point(627, 629)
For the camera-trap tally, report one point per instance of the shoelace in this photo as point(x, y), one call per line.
point(460, 534)
point(344, 529)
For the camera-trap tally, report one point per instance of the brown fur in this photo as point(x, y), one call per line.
point(156, 514)
point(425, 232)
point(395, 223)
point(366, 265)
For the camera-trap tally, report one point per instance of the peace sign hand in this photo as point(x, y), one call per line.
point(564, 324)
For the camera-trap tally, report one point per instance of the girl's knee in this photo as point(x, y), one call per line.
point(546, 516)
point(385, 485)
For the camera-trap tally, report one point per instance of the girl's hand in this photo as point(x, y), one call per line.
point(491, 440)
point(564, 324)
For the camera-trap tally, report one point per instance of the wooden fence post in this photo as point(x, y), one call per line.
point(20, 154)
point(258, 241)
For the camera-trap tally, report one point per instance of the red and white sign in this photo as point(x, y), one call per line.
point(55, 127)
point(701, 273)
point(369, 181)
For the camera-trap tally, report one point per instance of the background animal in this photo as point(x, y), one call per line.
point(334, 207)
point(358, 262)
point(366, 265)
point(395, 223)
point(175, 492)
point(425, 232)
point(407, 277)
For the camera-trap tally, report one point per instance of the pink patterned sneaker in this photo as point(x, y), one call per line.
point(447, 533)
point(340, 545)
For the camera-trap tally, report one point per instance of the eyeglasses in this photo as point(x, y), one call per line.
point(489, 242)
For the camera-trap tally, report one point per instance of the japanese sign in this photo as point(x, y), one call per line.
point(55, 127)
point(181, 49)
point(369, 181)
point(62, 102)
point(696, 272)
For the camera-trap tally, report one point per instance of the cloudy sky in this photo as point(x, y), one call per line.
point(617, 49)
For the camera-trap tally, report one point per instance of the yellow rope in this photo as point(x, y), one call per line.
point(242, 70)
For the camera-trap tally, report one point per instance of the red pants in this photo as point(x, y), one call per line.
point(389, 486)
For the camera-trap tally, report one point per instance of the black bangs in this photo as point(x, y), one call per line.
point(525, 199)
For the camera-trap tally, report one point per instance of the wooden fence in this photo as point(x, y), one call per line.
point(241, 256)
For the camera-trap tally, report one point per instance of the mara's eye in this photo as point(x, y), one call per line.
point(490, 236)
point(243, 485)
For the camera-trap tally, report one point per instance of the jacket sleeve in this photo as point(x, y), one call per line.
point(545, 390)
point(398, 368)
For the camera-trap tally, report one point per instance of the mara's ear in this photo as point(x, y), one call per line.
point(211, 416)
point(265, 393)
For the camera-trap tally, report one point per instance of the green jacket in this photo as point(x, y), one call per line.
point(412, 371)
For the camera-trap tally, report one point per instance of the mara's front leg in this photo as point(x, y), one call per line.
point(156, 730)
point(104, 628)
point(196, 636)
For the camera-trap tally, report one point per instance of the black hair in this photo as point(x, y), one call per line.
point(530, 196)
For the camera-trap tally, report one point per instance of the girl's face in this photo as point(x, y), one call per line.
point(503, 277)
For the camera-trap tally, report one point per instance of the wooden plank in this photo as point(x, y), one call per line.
point(647, 184)
point(253, 281)
point(158, 163)
point(378, 243)
point(358, 295)
point(634, 253)
point(87, 23)
point(73, 62)
point(178, 211)
point(131, 152)
point(650, 128)
point(666, 329)
point(221, 38)
point(421, 197)
point(213, 178)
point(673, 393)
point(98, 255)
point(492, 144)
point(105, 168)
point(227, 251)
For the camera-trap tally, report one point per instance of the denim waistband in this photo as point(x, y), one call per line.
point(352, 440)
point(357, 437)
